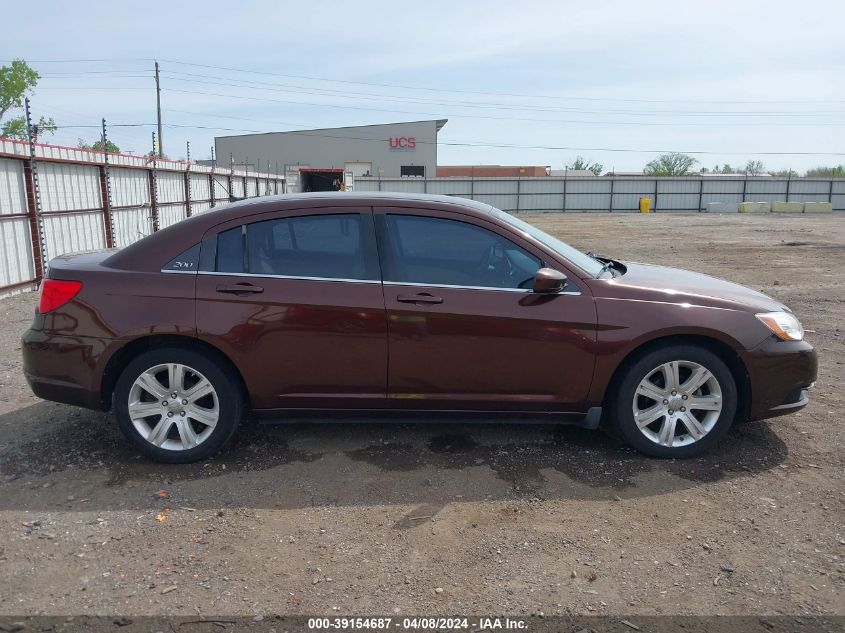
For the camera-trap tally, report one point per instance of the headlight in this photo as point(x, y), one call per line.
point(784, 325)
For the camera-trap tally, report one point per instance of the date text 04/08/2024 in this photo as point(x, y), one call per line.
point(416, 623)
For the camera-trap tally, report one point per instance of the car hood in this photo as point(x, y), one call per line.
point(662, 283)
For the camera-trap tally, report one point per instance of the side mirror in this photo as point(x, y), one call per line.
point(548, 281)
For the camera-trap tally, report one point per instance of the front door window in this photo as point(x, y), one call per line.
point(437, 251)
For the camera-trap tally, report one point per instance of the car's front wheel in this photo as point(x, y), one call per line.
point(177, 405)
point(676, 401)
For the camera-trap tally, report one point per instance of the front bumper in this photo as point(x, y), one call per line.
point(780, 375)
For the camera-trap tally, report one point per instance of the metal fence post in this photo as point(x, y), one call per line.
point(656, 183)
point(612, 180)
point(33, 203)
point(744, 186)
point(518, 191)
point(700, 193)
point(830, 191)
point(153, 198)
point(105, 193)
point(187, 176)
point(563, 208)
point(788, 183)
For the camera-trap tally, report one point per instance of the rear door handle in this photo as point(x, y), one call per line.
point(239, 289)
point(423, 297)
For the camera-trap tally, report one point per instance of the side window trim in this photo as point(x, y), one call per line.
point(294, 277)
point(244, 248)
point(414, 284)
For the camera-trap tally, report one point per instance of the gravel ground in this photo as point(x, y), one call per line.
point(451, 518)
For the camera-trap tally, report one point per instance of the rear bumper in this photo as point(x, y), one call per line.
point(781, 373)
point(63, 368)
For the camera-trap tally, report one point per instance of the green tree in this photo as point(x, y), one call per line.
point(754, 167)
point(837, 171)
point(784, 173)
point(99, 146)
point(580, 163)
point(671, 164)
point(725, 169)
point(16, 80)
point(16, 128)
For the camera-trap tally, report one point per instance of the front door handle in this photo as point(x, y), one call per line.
point(422, 297)
point(239, 289)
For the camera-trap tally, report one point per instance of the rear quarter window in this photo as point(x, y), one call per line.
point(185, 262)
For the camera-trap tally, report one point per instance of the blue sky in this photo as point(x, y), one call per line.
point(736, 79)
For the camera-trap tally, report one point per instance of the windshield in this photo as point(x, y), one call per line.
point(582, 260)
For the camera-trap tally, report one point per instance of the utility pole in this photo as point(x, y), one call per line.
point(158, 112)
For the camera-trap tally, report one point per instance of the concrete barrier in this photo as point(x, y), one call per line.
point(818, 207)
point(755, 207)
point(787, 207)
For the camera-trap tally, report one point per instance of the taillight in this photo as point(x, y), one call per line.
point(57, 292)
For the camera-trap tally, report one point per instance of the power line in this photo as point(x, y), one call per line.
point(95, 88)
point(490, 105)
point(468, 143)
point(437, 90)
point(452, 114)
point(68, 127)
point(512, 146)
point(504, 94)
point(77, 73)
point(497, 118)
point(297, 89)
point(123, 76)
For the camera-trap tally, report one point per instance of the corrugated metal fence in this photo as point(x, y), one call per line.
point(56, 200)
point(619, 193)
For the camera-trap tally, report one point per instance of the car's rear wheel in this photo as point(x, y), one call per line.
point(676, 401)
point(177, 405)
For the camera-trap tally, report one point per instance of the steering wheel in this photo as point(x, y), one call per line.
point(495, 266)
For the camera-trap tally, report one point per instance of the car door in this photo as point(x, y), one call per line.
point(295, 300)
point(465, 331)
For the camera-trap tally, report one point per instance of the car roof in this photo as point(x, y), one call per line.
point(360, 197)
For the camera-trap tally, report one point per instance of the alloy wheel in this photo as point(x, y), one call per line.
point(173, 406)
point(677, 403)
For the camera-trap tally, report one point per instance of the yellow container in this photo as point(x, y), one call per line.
point(645, 205)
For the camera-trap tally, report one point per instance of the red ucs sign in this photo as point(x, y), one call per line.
point(402, 142)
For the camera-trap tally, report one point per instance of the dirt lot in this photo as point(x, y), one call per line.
point(440, 519)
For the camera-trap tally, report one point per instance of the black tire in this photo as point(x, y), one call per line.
point(229, 399)
point(622, 400)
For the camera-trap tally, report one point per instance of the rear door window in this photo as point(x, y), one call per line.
point(330, 246)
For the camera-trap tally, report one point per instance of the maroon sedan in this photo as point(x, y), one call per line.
point(399, 303)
